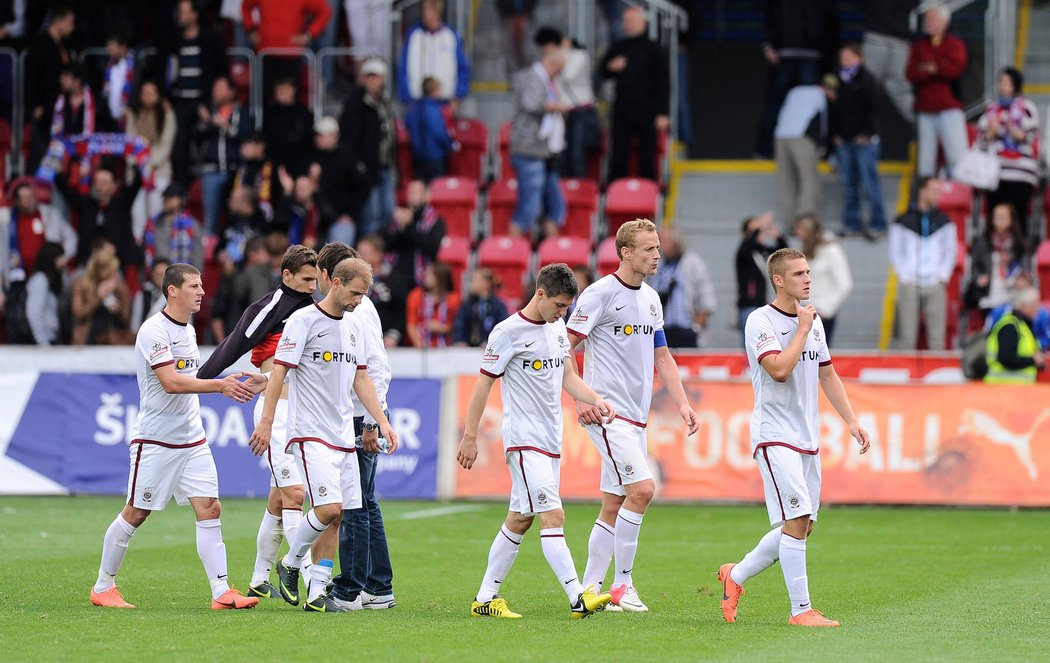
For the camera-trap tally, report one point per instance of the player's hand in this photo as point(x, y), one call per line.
point(607, 411)
point(467, 452)
point(690, 418)
point(255, 381)
point(861, 436)
point(370, 441)
point(587, 414)
point(232, 388)
point(617, 64)
point(806, 314)
point(390, 435)
point(259, 442)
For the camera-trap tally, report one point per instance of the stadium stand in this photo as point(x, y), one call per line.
point(509, 259)
point(455, 252)
point(608, 261)
point(456, 200)
point(581, 205)
point(501, 201)
point(572, 251)
point(469, 160)
point(630, 198)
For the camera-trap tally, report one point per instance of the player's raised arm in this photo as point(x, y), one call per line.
point(836, 393)
point(468, 445)
point(366, 391)
point(574, 385)
point(259, 442)
point(780, 364)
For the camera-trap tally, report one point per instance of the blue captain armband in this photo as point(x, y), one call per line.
point(659, 340)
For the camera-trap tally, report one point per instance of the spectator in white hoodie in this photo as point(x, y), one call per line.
point(923, 248)
point(829, 268)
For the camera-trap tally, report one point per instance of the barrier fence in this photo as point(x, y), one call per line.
point(952, 444)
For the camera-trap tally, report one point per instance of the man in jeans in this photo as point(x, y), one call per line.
point(365, 580)
point(923, 247)
point(537, 137)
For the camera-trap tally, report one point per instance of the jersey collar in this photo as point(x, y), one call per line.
point(173, 320)
point(326, 313)
point(625, 284)
point(528, 319)
point(790, 315)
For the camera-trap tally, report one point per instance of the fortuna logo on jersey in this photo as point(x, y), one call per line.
point(184, 363)
point(328, 356)
point(631, 330)
point(809, 355)
point(542, 364)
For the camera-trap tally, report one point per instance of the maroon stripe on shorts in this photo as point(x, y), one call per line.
point(783, 514)
point(135, 476)
point(269, 459)
point(608, 448)
point(521, 463)
point(306, 472)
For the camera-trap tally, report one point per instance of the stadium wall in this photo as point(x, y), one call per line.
point(65, 418)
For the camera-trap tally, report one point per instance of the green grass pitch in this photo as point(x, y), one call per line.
point(908, 584)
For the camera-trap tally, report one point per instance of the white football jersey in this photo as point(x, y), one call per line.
point(374, 354)
point(530, 358)
point(785, 413)
point(325, 356)
point(619, 322)
point(170, 419)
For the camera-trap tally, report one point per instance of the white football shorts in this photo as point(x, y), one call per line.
point(622, 448)
point(535, 481)
point(331, 476)
point(283, 470)
point(791, 481)
point(159, 473)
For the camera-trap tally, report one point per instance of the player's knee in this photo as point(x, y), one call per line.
point(328, 513)
point(293, 497)
point(641, 492)
point(208, 510)
point(518, 523)
point(798, 528)
point(552, 519)
point(134, 516)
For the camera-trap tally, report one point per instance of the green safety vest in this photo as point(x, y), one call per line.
point(1027, 346)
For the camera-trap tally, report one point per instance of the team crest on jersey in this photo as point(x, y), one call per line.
point(541, 497)
point(158, 350)
point(147, 494)
point(628, 469)
point(652, 309)
point(285, 344)
point(763, 340)
point(285, 473)
point(561, 341)
point(490, 355)
point(793, 501)
point(578, 315)
point(353, 340)
point(816, 335)
point(322, 490)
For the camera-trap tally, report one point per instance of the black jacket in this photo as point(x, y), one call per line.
point(853, 111)
point(289, 132)
point(213, 59)
point(361, 131)
point(1008, 340)
point(259, 321)
point(405, 244)
point(643, 88)
point(44, 62)
point(751, 276)
point(889, 17)
point(112, 222)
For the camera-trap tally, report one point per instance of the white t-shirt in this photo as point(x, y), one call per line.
point(785, 413)
point(325, 355)
point(619, 322)
point(170, 419)
point(375, 354)
point(530, 356)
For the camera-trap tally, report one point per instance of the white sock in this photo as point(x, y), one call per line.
point(212, 552)
point(114, 547)
point(628, 525)
point(758, 560)
point(793, 563)
point(320, 575)
point(290, 519)
point(599, 554)
point(267, 542)
point(501, 557)
point(552, 540)
point(304, 538)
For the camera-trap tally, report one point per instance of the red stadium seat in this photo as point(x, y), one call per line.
point(455, 252)
point(608, 261)
point(581, 205)
point(972, 132)
point(506, 171)
point(956, 201)
point(469, 159)
point(404, 153)
point(508, 258)
point(628, 199)
point(573, 251)
point(456, 200)
point(1042, 262)
point(502, 199)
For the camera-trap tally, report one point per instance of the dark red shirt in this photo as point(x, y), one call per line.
point(933, 92)
point(30, 239)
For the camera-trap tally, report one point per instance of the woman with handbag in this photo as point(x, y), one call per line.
point(1010, 127)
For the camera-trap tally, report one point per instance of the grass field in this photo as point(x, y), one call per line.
point(908, 584)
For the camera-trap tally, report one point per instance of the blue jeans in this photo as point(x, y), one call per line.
point(539, 190)
point(858, 166)
point(213, 187)
point(364, 559)
point(380, 206)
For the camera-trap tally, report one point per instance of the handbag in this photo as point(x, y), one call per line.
point(978, 168)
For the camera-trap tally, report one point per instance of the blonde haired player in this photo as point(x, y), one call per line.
point(531, 352)
point(622, 320)
point(788, 354)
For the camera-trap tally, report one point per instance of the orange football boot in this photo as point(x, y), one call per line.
point(812, 618)
point(111, 598)
point(234, 600)
point(731, 592)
